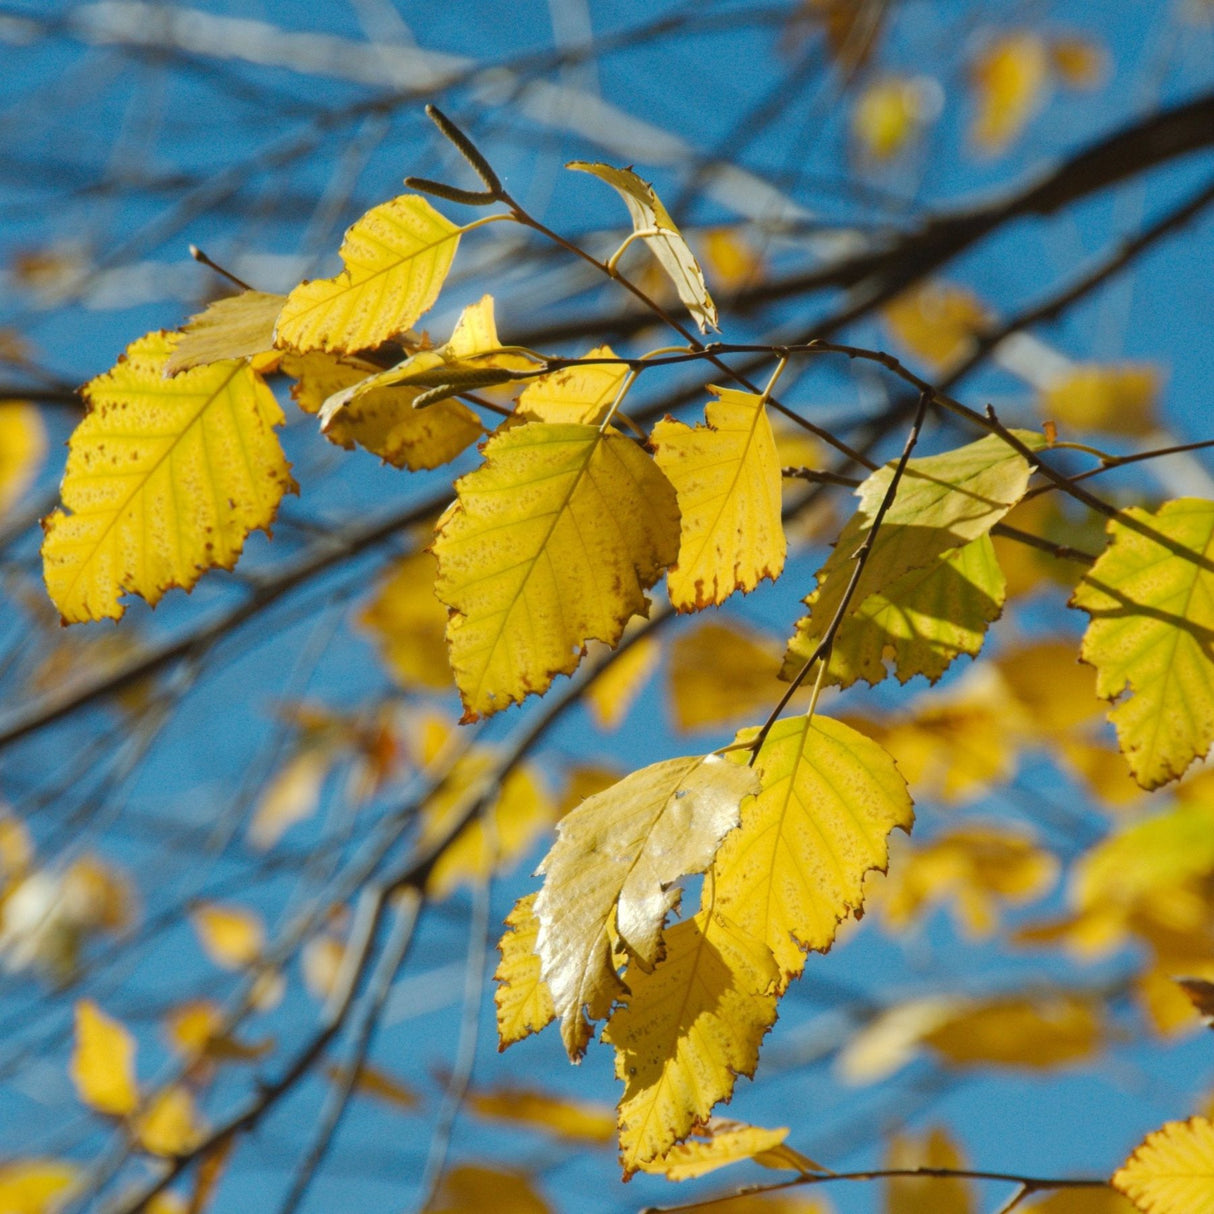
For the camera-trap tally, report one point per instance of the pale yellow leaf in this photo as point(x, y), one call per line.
point(891, 1039)
point(936, 322)
point(929, 1195)
point(651, 221)
point(551, 543)
point(322, 959)
point(170, 1125)
point(409, 623)
point(1033, 1033)
point(615, 690)
point(581, 394)
point(35, 1186)
point(291, 795)
point(231, 936)
point(576, 1120)
point(236, 327)
point(727, 478)
point(16, 849)
point(1172, 1170)
point(1010, 79)
point(165, 479)
point(614, 869)
point(688, 1030)
point(103, 1062)
point(397, 257)
point(524, 1003)
point(719, 672)
point(720, 1143)
point(22, 450)
point(1121, 398)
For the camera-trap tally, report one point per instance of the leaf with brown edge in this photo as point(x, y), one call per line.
point(1172, 1169)
point(688, 1030)
point(238, 326)
point(611, 877)
point(524, 1002)
point(795, 866)
point(551, 543)
point(727, 478)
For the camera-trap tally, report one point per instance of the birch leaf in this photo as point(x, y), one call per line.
point(936, 322)
point(727, 478)
point(524, 1002)
point(722, 1142)
point(1151, 599)
point(1037, 1033)
point(239, 326)
point(580, 394)
point(796, 864)
point(615, 690)
point(927, 1195)
point(103, 1062)
point(688, 1030)
point(165, 479)
point(397, 257)
point(551, 543)
point(613, 870)
point(1172, 1170)
point(652, 222)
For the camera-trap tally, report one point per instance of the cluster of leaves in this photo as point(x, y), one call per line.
point(573, 514)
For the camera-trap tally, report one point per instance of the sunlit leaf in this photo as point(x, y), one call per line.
point(22, 450)
point(652, 222)
point(1034, 1033)
point(929, 1195)
point(1151, 599)
point(580, 394)
point(170, 1124)
point(397, 257)
point(614, 869)
point(551, 543)
point(165, 479)
point(524, 1002)
point(1051, 704)
point(720, 672)
point(687, 1030)
point(236, 327)
point(409, 624)
point(231, 936)
point(795, 866)
point(35, 1186)
point(936, 322)
point(103, 1062)
point(1119, 398)
point(722, 1142)
point(1009, 79)
point(727, 478)
point(1172, 1170)
point(572, 1119)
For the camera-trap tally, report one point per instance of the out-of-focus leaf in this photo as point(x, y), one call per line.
point(571, 1119)
point(888, 115)
point(471, 1187)
point(929, 1195)
point(1118, 398)
point(409, 624)
point(35, 1186)
point(1033, 1033)
point(231, 936)
point(614, 691)
point(720, 672)
point(1172, 1169)
point(936, 322)
point(170, 1124)
point(291, 795)
point(236, 327)
point(1079, 62)
point(103, 1062)
point(22, 450)
point(374, 1081)
point(1010, 79)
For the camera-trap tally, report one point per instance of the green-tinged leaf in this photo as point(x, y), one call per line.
point(1151, 599)
point(397, 257)
point(727, 477)
point(796, 864)
point(551, 543)
point(236, 327)
point(165, 479)
point(611, 877)
point(1172, 1170)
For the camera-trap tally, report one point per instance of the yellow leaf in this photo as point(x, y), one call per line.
point(929, 1195)
point(170, 1124)
point(470, 1187)
point(103, 1062)
point(615, 865)
point(1039, 1034)
point(397, 257)
point(22, 450)
point(734, 262)
point(942, 502)
point(761, 1203)
point(937, 322)
point(373, 1081)
point(195, 1032)
point(888, 114)
point(35, 1186)
point(1172, 1170)
point(1151, 599)
point(727, 478)
point(1121, 398)
point(291, 795)
point(891, 1039)
point(723, 1142)
point(524, 1002)
point(720, 672)
point(796, 864)
point(580, 394)
point(318, 376)
point(231, 936)
point(551, 543)
point(1083, 1201)
point(322, 959)
point(1051, 703)
point(165, 479)
point(236, 327)
point(688, 1029)
point(652, 223)
point(16, 849)
point(1009, 79)
point(573, 1119)
point(1079, 62)
point(409, 624)
point(614, 691)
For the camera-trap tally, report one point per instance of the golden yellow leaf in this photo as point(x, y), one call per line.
point(230, 935)
point(762, 1203)
point(1053, 688)
point(1172, 1170)
point(22, 450)
point(720, 1143)
point(796, 864)
point(16, 849)
point(732, 260)
point(652, 223)
point(887, 115)
point(614, 870)
point(1009, 79)
point(1151, 599)
point(580, 394)
point(291, 795)
point(727, 478)
point(471, 1187)
point(572, 1119)
point(1119, 398)
point(397, 257)
point(929, 1195)
point(409, 623)
point(551, 543)
point(937, 322)
point(720, 672)
point(170, 1124)
point(318, 375)
point(103, 1062)
point(35, 1186)
point(236, 327)
point(1038, 1034)
point(524, 1002)
point(1102, 1200)
point(690, 1027)
point(614, 691)
point(165, 479)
